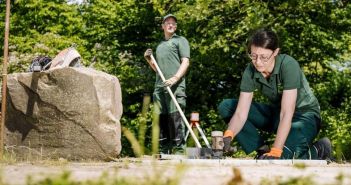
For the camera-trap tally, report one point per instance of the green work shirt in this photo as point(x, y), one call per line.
point(286, 75)
point(168, 55)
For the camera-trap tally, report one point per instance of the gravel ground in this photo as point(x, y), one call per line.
point(213, 172)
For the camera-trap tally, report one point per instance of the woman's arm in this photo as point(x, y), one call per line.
point(286, 114)
point(239, 118)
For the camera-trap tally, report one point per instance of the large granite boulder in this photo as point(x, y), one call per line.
point(70, 113)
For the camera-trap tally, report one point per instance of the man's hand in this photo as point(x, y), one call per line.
point(147, 54)
point(275, 153)
point(171, 81)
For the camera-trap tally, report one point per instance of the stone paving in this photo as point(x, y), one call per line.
point(195, 171)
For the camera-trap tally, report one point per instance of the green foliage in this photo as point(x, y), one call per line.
point(335, 98)
point(316, 33)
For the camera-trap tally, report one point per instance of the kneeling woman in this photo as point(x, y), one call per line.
point(293, 114)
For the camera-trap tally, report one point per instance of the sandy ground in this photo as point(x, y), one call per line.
point(213, 172)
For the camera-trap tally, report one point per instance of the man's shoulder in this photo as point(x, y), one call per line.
point(180, 40)
point(176, 36)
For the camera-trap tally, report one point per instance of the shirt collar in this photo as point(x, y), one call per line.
point(278, 63)
point(174, 35)
point(256, 73)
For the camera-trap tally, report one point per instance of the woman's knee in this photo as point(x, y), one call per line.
point(227, 107)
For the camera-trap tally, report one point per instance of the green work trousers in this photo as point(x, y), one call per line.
point(172, 128)
point(262, 117)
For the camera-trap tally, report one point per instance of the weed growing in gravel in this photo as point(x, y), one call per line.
point(138, 143)
point(300, 165)
point(158, 178)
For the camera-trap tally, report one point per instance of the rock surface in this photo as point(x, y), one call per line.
point(68, 113)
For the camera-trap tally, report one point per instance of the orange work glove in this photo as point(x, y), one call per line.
point(275, 153)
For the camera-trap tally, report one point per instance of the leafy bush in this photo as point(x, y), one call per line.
point(118, 32)
point(334, 94)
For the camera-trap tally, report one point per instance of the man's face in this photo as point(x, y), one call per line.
point(170, 25)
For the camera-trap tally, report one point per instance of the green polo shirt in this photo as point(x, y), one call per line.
point(168, 55)
point(286, 75)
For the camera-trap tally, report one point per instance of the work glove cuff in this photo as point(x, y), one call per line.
point(228, 133)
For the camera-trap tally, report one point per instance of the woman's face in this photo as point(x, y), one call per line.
point(263, 59)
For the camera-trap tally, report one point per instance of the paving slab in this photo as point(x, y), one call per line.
point(193, 171)
point(182, 159)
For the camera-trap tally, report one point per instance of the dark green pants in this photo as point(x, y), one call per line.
point(172, 128)
point(264, 117)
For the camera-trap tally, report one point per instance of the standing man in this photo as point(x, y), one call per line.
point(172, 55)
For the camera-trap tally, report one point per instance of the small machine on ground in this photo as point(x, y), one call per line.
point(68, 57)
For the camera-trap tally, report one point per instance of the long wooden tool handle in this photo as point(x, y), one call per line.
point(175, 102)
point(4, 77)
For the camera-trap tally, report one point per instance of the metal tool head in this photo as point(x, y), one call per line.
point(217, 144)
point(199, 153)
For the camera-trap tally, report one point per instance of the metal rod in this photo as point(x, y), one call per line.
point(176, 103)
point(186, 136)
point(187, 133)
point(202, 134)
point(4, 77)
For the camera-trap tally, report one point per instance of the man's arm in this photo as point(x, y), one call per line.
point(180, 73)
point(147, 56)
point(183, 68)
